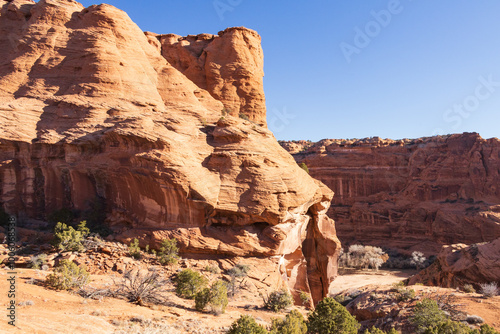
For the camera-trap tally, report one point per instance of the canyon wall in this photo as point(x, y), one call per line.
point(94, 110)
point(409, 194)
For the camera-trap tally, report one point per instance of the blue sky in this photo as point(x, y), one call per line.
point(355, 69)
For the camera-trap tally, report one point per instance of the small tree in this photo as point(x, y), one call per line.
point(189, 283)
point(238, 271)
point(246, 325)
point(293, 323)
point(486, 329)
point(305, 298)
point(304, 167)
point(66, 238)
point(448, 327)
point(330, 317)
point(278, 300)
point(426, 314)
point(418, 260)
point(169, 252)
point(134, 250)
point(68, 275)
point(215, 298)
point(202, 299)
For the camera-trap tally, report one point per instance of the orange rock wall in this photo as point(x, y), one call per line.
point(90, 110)
point(409, 194)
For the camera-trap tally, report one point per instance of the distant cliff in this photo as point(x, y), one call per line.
point(409, 194)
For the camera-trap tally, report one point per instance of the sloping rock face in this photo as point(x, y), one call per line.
point(228, 65)
point(461, 264)
point(91, 111)
point(409, 194)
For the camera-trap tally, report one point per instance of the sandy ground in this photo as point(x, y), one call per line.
point(358, 278)
point(63, 312)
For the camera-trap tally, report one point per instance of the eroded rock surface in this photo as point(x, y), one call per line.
point(459, 264)
point(409, 194)
point(90, 111)
point(228, 65)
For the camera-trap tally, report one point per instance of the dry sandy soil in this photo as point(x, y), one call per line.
point(63, 312)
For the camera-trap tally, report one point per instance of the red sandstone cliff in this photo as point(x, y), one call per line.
point(409, 194)
point(457, 265)
point(91, 109)
point(228, 65)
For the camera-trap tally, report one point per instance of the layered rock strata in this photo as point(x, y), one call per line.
point(90, 110)
point(228, 65)
point(459, 264)
point(409, 194)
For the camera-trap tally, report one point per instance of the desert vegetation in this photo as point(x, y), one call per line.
point(363, 257)
point(68, 275)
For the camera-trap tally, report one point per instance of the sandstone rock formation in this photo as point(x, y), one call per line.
point(409, 194)
point(461, 264)
point(228, 65)
point(91, 111)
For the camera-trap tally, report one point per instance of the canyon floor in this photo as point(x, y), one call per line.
point(63, 312)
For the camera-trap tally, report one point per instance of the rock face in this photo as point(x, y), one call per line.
point(461, 264)
point(228, 65)
point(409, 194)
point(90, 111)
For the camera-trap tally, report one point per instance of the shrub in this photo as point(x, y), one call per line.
point(305, 298)
point(212, 269)
point(486, 329)
point(246, 325)
point(418, 260)
point(359, 257)
point(330, 317)
point(169, 252)
point(238, 271)
point(218, 297)
point(304, 167)
point(215, 298)
point(426, 314)
point(278, 300)
point(202, 299)
point(293, 323)
point(189, 283)
point(489, 289)
point(134, 250)
point(403, 295)
point(66, 238)
point(449, 303)
point(68, 275)
point(244, 117)
point(141, 287)
point(38, 261)
point(469, 288)
point(448, 327)
point(225, 112)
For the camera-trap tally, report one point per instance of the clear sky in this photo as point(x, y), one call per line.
point(355, 69)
